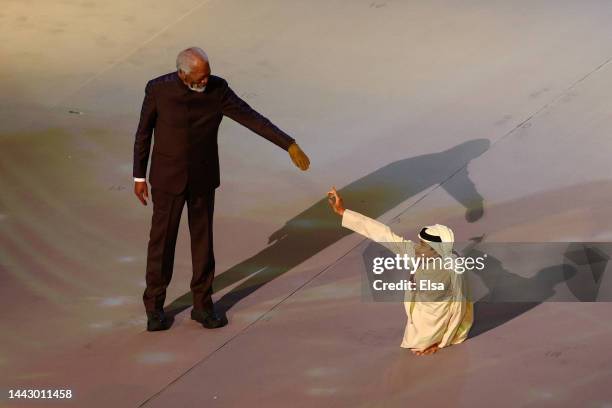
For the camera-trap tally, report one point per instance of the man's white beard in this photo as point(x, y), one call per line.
point(197, 88)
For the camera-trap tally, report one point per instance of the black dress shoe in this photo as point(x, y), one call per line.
point(157, 321)
point(208, 319)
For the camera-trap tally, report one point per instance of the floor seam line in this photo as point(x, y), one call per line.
point(335, 262)
point(250, 324)
point(520, 125)
point(129, 53)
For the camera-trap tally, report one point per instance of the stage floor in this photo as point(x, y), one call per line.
point(492, 117)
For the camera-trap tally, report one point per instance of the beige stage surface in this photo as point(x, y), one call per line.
point(493, 117)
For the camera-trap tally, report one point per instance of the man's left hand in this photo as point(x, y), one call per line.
point(298, 157)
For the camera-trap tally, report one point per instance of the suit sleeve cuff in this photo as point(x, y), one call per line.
point(290, 142)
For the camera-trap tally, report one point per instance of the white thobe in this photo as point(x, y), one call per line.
point(443, 322)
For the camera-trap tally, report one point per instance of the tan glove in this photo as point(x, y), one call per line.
point(298, 157)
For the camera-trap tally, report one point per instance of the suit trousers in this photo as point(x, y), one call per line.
point(167, 209)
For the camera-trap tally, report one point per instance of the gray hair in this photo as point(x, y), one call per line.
point(187, 58)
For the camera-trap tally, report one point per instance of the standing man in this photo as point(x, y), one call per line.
point(185, 109)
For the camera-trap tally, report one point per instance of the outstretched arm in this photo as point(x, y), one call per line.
point(237, 109)
point(369, 228)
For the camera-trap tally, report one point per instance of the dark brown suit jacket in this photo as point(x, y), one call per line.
point(186, 125)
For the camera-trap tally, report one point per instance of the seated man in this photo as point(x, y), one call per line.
point(431, 324)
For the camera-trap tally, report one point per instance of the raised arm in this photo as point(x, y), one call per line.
point(370, 228)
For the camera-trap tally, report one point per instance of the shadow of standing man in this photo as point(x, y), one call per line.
point(316, 228)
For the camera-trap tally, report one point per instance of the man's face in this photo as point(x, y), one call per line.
point(197, 79)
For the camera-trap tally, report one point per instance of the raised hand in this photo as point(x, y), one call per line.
point(335, 201)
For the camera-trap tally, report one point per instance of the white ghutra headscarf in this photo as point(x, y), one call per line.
point(440, 238)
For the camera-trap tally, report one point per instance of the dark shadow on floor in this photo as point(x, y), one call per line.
point(318, 227)
point(488, 316)
point(510, 295)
